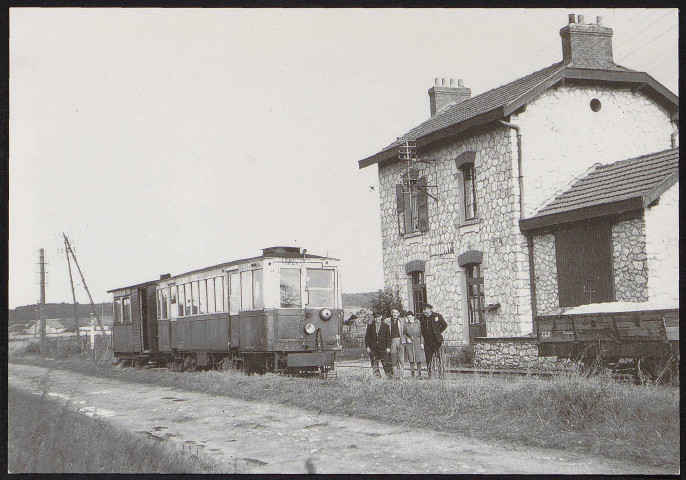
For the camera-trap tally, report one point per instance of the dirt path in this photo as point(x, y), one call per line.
point(268, 438)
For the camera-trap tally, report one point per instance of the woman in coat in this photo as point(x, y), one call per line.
point(414, 349)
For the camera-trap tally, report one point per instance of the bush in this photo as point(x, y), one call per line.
point(459, 355)
point(386, 299)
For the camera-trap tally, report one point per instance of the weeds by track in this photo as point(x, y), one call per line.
point(593, 415)
point(46, 436)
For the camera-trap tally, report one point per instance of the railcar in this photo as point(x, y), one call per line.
point(642, 335)
point(280, 311)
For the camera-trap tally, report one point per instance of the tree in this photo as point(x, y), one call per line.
point(386, 299)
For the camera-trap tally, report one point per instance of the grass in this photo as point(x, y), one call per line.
point(592, 415)
point(45, 436)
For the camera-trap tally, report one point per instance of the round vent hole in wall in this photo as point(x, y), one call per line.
point(595, 105)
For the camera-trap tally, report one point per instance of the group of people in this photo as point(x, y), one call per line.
point(395, 340)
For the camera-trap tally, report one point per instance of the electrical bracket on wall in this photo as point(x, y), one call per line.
point(407, 153)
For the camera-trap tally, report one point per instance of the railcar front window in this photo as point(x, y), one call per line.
point(162, 303)
point(320, 287)
point(290, 288)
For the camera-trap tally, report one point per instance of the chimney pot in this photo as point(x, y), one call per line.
point(572, 18)
point(445, 81)
point(586, 41)
point(452, 82)
point(437, 81)
point(599, 21)
point(460, 83)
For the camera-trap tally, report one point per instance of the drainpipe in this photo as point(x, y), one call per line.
point(519, 164)
point(672, 137)
point(529, 237)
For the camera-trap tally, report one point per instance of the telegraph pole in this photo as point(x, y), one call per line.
point(83, 280)
point(41, 262)
point(73, 293)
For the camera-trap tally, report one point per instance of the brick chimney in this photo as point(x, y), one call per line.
point(441, 94)
point(586, 40)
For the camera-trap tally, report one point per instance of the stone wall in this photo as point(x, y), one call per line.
point(521, 352)
point(562, 137)
point(545, 268)
point(496, 234)
point(629, 261)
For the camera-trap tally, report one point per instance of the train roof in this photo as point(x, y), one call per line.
point(269, 252)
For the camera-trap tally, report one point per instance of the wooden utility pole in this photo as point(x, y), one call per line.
point(41, 262)
point(83, 280)
point(73, 293)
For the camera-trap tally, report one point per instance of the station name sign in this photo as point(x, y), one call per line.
point(441, 249)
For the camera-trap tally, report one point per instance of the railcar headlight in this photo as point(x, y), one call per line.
point(325, 314)
point(309, 328)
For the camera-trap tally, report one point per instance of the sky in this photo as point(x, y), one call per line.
point(165, 140)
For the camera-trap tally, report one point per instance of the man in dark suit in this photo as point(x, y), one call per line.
point(433, 325)
point(377, 339)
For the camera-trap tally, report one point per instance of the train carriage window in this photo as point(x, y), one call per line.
point(220, 294)
point(126, 308)
point(182, 300)
point(320, 287)
point(162, 303)
point(234, 294)
point(117, 311)
point(246, 290)
point(202, 296)
point(290, 288)
point(210, 296)
point(195, 297)
point(189, 299)
point(257, 293)
point(173, 306)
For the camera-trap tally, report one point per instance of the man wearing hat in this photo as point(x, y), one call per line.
point(398, 340)
point(377, 339)
point(433, 326)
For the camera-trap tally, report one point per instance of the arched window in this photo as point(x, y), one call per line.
point(467, 173)
point(469, 183)
point(417, 284)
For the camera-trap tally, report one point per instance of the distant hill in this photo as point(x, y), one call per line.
point(28, 313)
point(357, 299)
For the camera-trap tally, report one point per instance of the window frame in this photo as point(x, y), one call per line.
point(469, 191)
point(333, 288)
point(475, 316)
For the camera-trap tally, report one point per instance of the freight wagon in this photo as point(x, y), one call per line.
point(281, 311)
point(608, 334)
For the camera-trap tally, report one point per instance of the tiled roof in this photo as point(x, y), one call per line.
point(622, 180)
point(501, 96)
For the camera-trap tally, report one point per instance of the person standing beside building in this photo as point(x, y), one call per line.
point(377, 339)
point(398, 340)
point(432, 325)
point(413, 348)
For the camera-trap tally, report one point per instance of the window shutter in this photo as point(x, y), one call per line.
point(408, 212)
point(400, 199)
point(422, 205)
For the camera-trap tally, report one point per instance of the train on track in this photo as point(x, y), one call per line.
point(278, 312)
point(639, 337)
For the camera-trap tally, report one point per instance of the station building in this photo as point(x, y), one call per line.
point(519, 192)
